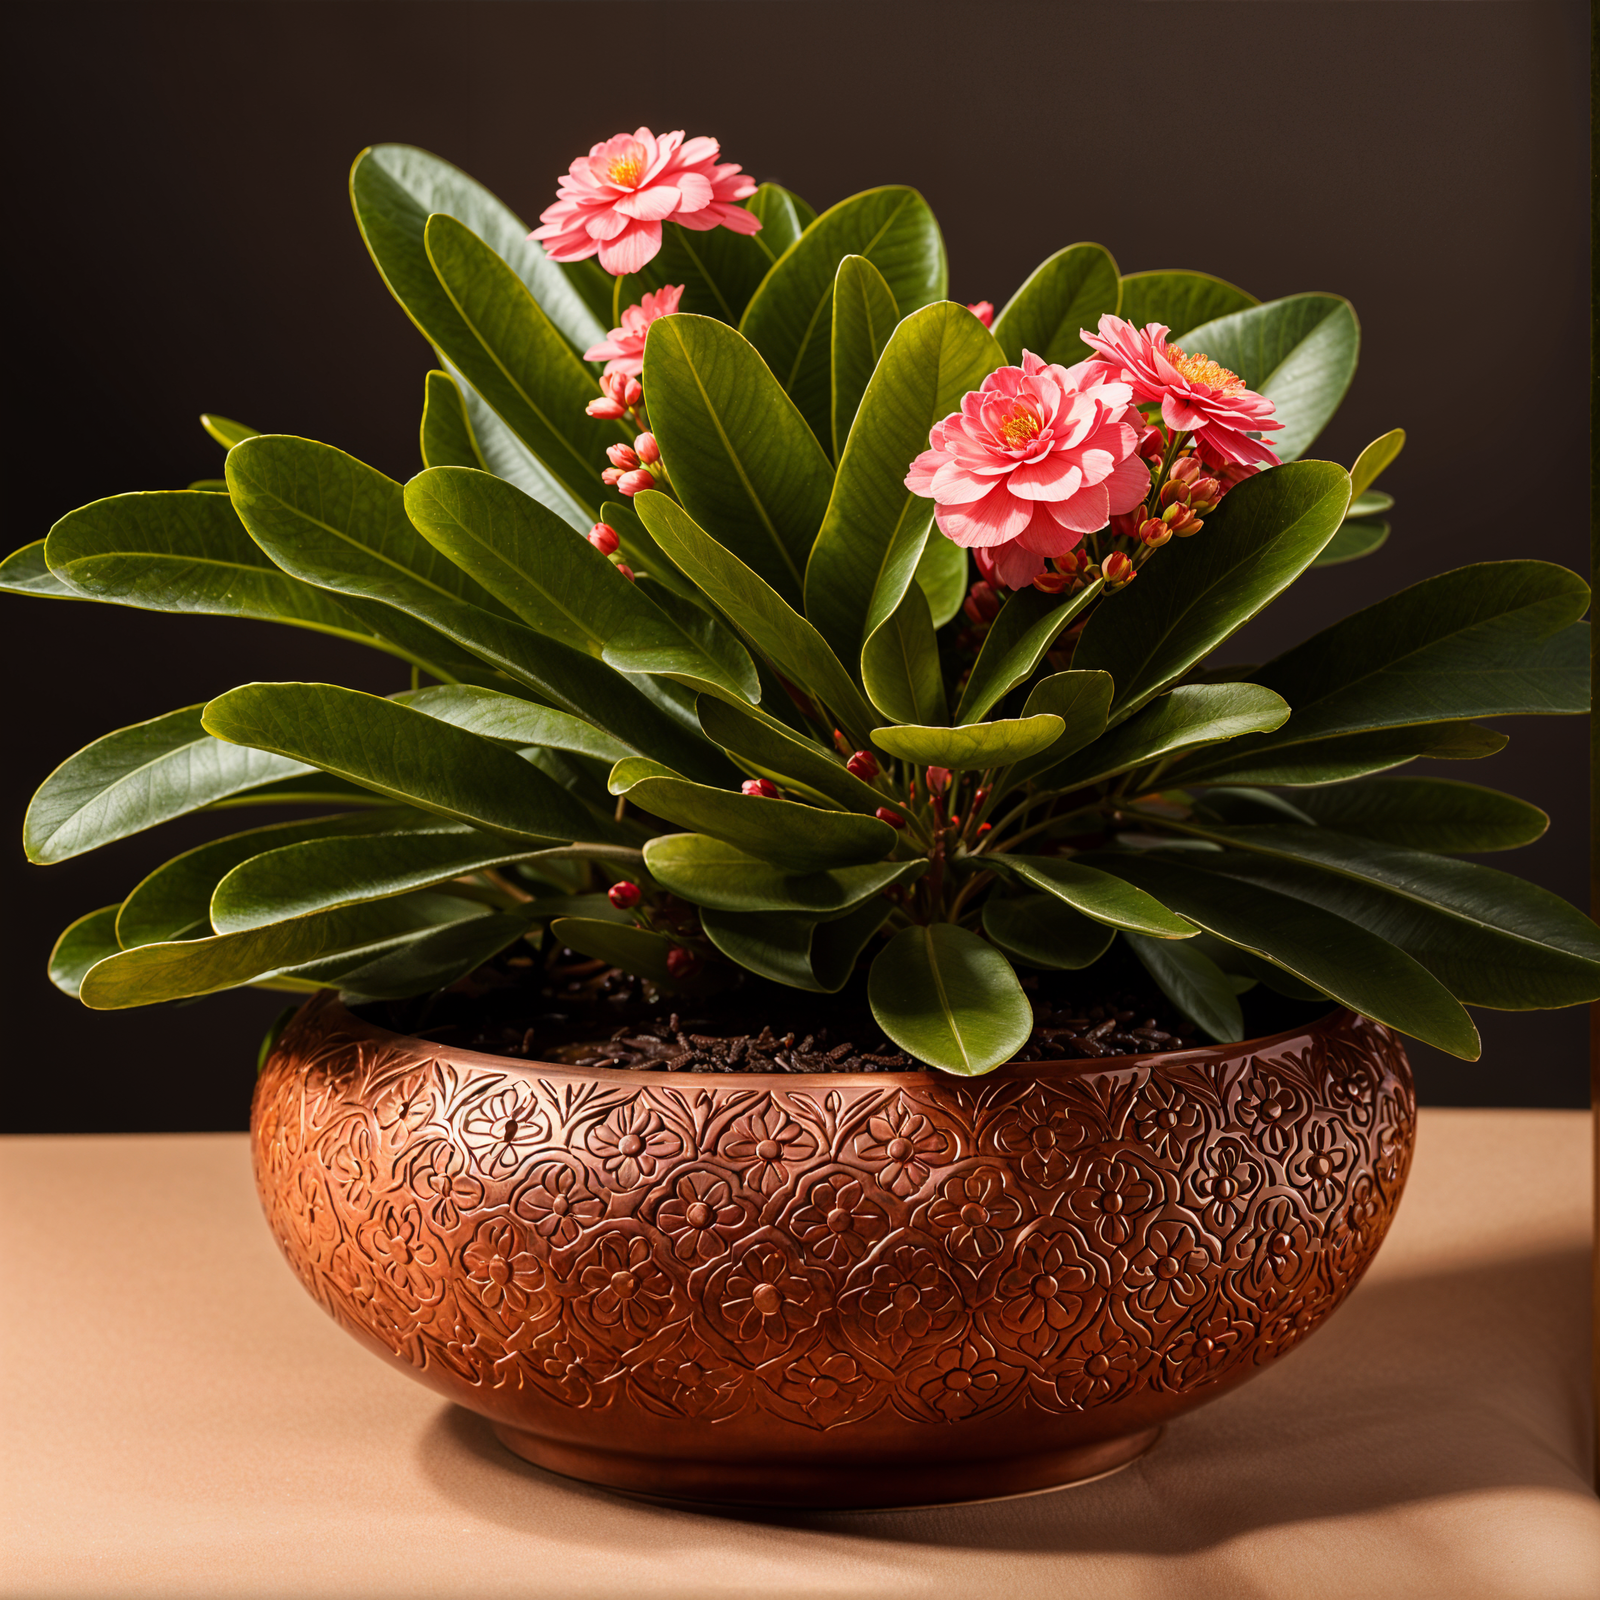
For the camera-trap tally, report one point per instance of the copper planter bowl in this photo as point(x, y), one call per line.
point(831, 1289)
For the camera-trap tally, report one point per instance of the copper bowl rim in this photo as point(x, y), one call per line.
point(327, 1006)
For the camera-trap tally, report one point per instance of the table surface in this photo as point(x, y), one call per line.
point(181, 1419)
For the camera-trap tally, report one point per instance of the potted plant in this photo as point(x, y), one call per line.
point(777, 1022)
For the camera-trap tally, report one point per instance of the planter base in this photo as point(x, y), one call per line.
point(882, 1486)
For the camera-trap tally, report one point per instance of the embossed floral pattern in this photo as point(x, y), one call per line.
point(829, 1387)
point(625, 1293)
point(763, 1297)
point(1052, 1281)
point(1113, 1194)
point(438, 1171)
point(901, 1146)
point(502, 1130)
point(700, 1215)
point(558, 1203)
point(838, 1223)
point(1043, 1133)
point(973, 1212)
point(767, 1146)
point(501, 1271)
point(904, 1298)
point(1320, 1165)
point(632, 1143)
point(1167, 1120)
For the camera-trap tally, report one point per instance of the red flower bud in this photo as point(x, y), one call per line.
point(1049, 582)
point(955, 819)
point(983, 310)
point(1184, 470)
point(864, 765)
point(623, 389)
point(982, 604)
point(1182, 521)
point(937, 779)
point(1154, 532)
point(893, 818)
point(840, 743)
point(1205, 495)
point(632, 483)
point(984, 827)
point(1117, 569)
point(625, 570)
point(624, 896)
point(649, 450)
point(1152, 445)
point(682, 963)
point(604, 538)
point(606, 408)
point(621, 455)
point(979, 798)
point(760, 788)
point(1173, 492)
point(611, 475)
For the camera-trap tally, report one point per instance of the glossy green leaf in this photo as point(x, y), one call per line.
point(402, 753)
point(873, 534)
point(1189, 717)
point(1194, 983)
point(1299, 352)
point(1179, 300)
point(83, 943)
point(646, 559)
point(562, 587)
point(1045, 932)
point(742, 460)
point(26, 571)
point(1371, 504)
point(635, 950)
point(794, 837)
point(1353, 540)
point(446, 433)
point(1029, 623)
point(758, 611)
point(1201, 590)
point(942, 574)
point(948, 998)
point(817, 956)
point(1374, 460)
point(1331, 953)
point(784, 217)
point(1427, 814)
point(515, 722)
point(1081, 700)
point(226, 431)
point(132, 779)
point(977, 746)
point(151, 973)
point(769, 750)
point(1097, 894)
point(431, 960)
point(900, 663)
point(1067, 292)
point(864, 315)
point(1356, 755)
point(707, 872)
point(789, 318)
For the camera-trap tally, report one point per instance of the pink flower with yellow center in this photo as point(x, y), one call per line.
point(1195, 394)
point(622, 349)
point(1035, 459)
point(614, 200)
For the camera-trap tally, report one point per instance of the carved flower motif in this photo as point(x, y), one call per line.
point(457, 1339)
point(763, 1299)
point(1112, 1195)
point(970, 1212)
point(558, 1203)
point(403, 1105)
point(901, 1145)
point(624, 1294)
point(439, 1171)
point(311, 1209)
point(1100, 1364)
point(692, 1379)
point(1278, 1248)
point(1045, 1291)
point(1202, 1347)
point(1223, 1182)
point(353, 1167)
point(1351, 1081)
point(632, 1143)
point(501, 1271)
point(1269, 1110)
point(556, 1361)
point(1166, 1275)
point(700, 1215)
point(960, 1379)
point(903, 1299)
point(503, 1130)
point(1318, 1167)
point(1284, 1327)
point(836, 1222)
point(404, 1252)
point(1042, 1130)
point(1167, 1120)
point(767, 1144)
point(827, 1385)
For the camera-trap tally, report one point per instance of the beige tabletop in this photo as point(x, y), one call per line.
point(180, 1419)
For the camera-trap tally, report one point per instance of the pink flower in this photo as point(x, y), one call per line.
point(983, 310)
point(622, 349)
point(615, 199)
point(1195, 394)
point(1034, 460)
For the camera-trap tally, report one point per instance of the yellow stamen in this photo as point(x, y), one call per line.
point(626, 170)
point(1020, 427)
point(1202, 369)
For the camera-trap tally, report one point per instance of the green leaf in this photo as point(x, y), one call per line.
point(646, 558)
point(1492, 939)
point(758, 611)
point(900, 664)
point(1194, 983)
point(1331, 953)
point(1319, 761)
point(789, 835)
point(947, 998)
point(769, 750)
point(819, 956)
point(1200, 590)
point(83, 943)
point(864, 315)
point(1045, 932)
point(433, 959)
point(1299, 352)
point(873, 534)
point(789, 318)
point(446, 433)
point(1028, 624)
point(707, 872)
point(132, 779)
point(26, 571)
point(1067, 292)
point(635, 950)
point(1353, 540)
point(1374, 460)
point(1371, 504)
point(1179, 300)
point(226, 431)
point(742, 459)
point(1436, 814)
point(561, 586)
point(402, 753)
point(942, 574)
point(1095, 893)
point(717, 269)
point(514, 722)
point(784, 217)
point(1081, 700)
point(152, 973)
point(1189, 717)
point(980, 745)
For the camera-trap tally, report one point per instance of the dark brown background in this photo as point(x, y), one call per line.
point(180, 240)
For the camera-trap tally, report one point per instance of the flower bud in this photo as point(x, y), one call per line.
point(1154, 532)
point(1173, 492)
point(1152, 445)
point(1205, 495)
point(625, 570)
point(621, 455)
point(840, 743)
point(604, 538)
point(979, 798)
point(1117, 569)
point(607, 409)
point(893, 818)
point(625, 391)
point(624, 896)
point(937, 779)
point(1125, 526)
point(632, 483)
point(1049, 582)
point(982, 604)
point(1185, 470)
point(983, 310)
point(611, 475)
point(682, 963)
point(649, 450)
point(1182, 521)
point(864, 765)
point(760, 789)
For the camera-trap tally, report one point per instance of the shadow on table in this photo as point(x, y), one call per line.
point(1418, 1388)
